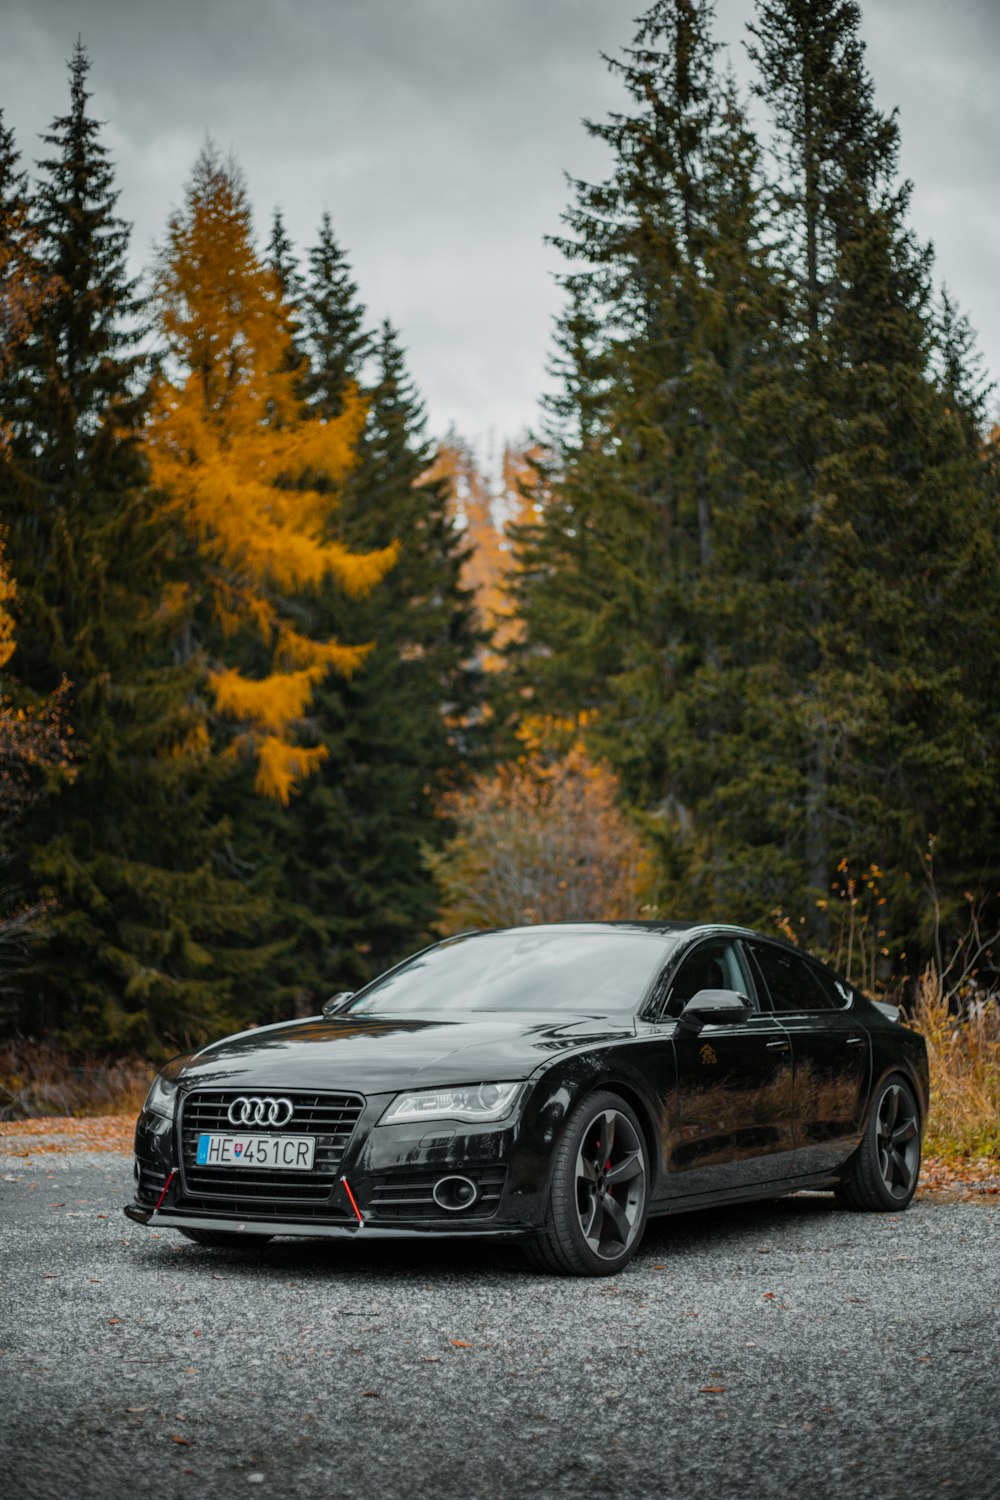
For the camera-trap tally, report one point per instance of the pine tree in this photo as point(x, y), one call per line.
point(281, 261)
point(863, 729)
point(334, 320)
point(148, 931)
point(403, 730)
point(670, 300)
point(767, 474)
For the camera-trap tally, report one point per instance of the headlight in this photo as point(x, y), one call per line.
point(160, 1098)
point(477, 1101)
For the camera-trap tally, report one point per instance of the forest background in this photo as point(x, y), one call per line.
point(290, 688)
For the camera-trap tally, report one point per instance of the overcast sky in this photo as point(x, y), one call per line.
point(437, 133)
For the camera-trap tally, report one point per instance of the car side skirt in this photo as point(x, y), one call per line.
point(755, 1193)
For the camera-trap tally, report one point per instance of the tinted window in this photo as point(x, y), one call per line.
point(838, 990)
point(713, 965)
point(528, 969)
point(790, 980)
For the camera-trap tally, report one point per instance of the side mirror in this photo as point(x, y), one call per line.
point(337, 1002)
point(716, 1008)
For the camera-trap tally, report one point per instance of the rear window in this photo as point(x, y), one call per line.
point(792, 981)
point(839, 991)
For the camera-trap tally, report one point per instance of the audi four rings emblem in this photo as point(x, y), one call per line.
point(262, 1110)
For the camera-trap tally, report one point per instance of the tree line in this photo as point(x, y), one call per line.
point(285, 691)
point(228, 557)
point(764, 556)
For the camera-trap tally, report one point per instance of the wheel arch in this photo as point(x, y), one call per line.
point(566, 1086)
point(897, 1067)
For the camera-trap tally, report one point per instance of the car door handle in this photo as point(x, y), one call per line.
point(780, 1044)
point(855, 1041)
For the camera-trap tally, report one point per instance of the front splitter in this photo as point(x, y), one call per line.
point(171, 1219)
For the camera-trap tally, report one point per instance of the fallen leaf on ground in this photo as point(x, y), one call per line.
point(461, 1344)
point(183, 1442)
point(712, 1390)
point(59, 1134)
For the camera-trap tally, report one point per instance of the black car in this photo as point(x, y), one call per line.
point(557, 1084)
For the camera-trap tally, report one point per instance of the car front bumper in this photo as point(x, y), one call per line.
point(384, 1185)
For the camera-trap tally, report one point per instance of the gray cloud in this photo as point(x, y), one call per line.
point(437, 132)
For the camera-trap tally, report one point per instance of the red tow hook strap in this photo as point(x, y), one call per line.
point(357, 1212)
point(166, 1185)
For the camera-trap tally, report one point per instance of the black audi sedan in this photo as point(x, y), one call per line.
point(554, 1084)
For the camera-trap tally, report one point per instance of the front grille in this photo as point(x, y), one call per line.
point(266, 1191)
point(410, 1195)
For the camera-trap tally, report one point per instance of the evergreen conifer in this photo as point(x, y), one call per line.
point(149, 928)
point(404, 728)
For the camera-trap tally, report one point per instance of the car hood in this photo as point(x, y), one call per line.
point(384, 1054)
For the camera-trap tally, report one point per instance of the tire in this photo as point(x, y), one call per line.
point(882, 1175)
point(224, 1239)
point(599, 1193)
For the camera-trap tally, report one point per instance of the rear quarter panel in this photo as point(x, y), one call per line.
point(896, 1048)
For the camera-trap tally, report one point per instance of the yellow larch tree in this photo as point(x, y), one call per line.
point(250, 474)
point(8, 592)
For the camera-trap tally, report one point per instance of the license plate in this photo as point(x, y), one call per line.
point(289, 1153)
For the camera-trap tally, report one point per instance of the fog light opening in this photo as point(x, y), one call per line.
point(455, 1193)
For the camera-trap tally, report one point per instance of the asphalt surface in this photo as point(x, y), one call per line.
point(783, 1349)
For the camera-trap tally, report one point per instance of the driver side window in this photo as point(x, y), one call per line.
point(713, 965)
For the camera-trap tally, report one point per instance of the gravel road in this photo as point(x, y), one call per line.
point(784, 1349)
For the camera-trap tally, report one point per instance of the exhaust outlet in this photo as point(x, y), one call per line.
point(455, 1193)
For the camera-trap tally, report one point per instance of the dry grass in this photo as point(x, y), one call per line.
point(38, 1079)
point(963, 1048)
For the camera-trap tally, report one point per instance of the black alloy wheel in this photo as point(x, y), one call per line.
point(225, 1239)
point(599, 1194)
point(882, 1174)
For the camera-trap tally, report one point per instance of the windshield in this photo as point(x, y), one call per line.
point(528, 969)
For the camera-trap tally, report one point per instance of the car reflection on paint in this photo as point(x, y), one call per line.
point(557, 1085)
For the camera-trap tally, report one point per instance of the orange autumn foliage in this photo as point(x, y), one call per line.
point(485, 518)
point(8, 591)
point(248, 472)
point(543, 839)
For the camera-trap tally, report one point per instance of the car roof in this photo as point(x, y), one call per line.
point(662, 927)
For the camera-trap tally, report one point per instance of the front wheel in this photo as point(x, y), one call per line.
point(224, 1239)
point(882, 1174)
point(599, 1194)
